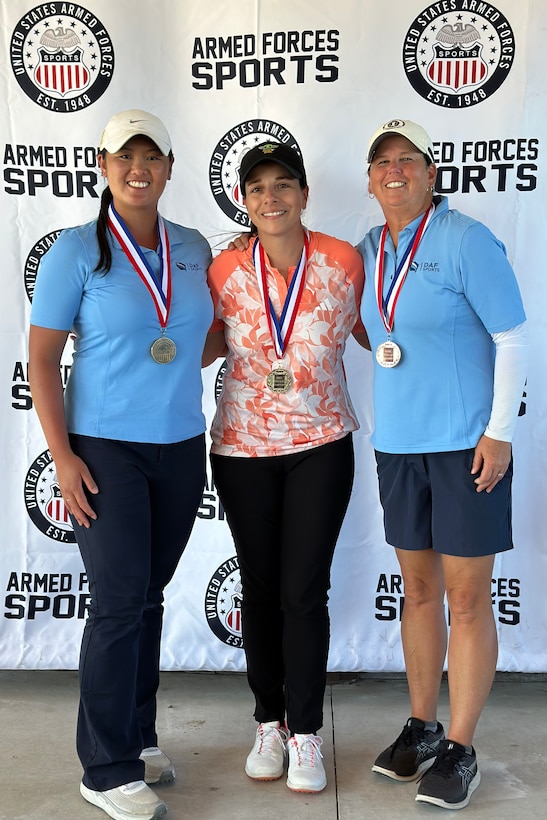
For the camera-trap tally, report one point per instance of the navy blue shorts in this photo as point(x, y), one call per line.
point(430, 501)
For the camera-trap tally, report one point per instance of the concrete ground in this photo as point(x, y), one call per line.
point(206, 727)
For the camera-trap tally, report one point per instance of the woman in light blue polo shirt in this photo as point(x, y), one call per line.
point(127, 441)
point(446, 324)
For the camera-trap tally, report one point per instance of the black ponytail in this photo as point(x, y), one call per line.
point(105, 251)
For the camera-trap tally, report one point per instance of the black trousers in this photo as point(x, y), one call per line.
point(147, 502)
point(285, 514)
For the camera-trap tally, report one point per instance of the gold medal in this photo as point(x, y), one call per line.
point(163, 350)
point(279, 380)
point(388, 354)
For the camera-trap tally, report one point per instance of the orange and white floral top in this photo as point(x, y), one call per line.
point(251, 420)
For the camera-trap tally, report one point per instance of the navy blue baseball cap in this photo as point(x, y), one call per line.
point(272, 152)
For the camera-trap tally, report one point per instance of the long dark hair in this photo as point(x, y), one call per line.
point(105, 251)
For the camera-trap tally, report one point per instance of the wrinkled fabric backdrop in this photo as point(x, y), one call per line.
point(224, 76)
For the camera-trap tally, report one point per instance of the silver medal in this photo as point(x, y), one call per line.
point(163, 350)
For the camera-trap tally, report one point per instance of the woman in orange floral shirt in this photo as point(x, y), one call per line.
point(282, 450)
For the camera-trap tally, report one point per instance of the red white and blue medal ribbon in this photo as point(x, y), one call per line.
point(386, 306)
point(163, 350)
point(159, 287)
point(279, 380)
point(281, 328)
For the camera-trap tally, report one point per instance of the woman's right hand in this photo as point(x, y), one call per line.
point(240, 243)
point(74, 478)
point(45, 349)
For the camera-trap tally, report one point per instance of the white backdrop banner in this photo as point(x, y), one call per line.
point(223, 76)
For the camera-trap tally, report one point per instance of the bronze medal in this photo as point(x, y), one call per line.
point(388, 354)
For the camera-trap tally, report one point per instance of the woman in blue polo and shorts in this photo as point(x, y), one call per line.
point(446, 324)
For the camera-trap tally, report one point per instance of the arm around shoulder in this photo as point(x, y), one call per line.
point(215, 347)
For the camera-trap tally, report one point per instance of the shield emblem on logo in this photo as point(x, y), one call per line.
point(61, 72)
point(233, 619)
point(457, 68)
point(55, 508)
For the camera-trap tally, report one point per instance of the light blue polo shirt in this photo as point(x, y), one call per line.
point(459, 290)
point(115, 389)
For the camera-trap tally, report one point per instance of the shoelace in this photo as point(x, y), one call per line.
point(269, 735)
point(446, 763)
point(410, 736)
point(307, 749)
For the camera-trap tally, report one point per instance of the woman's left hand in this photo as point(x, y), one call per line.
point(491, 461)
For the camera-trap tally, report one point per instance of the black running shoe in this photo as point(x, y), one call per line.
point(413, 752)
point(452, 779)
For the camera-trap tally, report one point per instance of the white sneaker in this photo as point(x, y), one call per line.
point(132, 801)
point(266, 759)
point(306, 770)
point(157, 766)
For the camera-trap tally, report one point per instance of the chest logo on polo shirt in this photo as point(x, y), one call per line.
point(460, 57)
point(62, 57)
point(223, 603)
point(226, 159)
point(429, 267)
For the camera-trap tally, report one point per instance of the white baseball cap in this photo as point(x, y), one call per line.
point(417, 135)
point(121, 127)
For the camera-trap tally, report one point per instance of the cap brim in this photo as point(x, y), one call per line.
point(293, 171)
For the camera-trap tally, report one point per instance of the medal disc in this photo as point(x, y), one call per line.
point(388, 354)
point(163, 350)
point(279, 380)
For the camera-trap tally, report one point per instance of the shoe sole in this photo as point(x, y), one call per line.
point(306, 790)
point(167, 776)
point(423, 767)
point(264, 777)
point(437, 801)
point(98, 799)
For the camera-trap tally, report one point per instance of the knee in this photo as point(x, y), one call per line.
point(304, 603)
point(467, 605)
point(423, 591)
point(125, 609)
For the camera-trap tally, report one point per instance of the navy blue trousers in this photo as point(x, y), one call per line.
point(146, 506)
point(285, 514)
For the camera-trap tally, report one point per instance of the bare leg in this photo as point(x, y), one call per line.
point(473, 645)
point(423, 628)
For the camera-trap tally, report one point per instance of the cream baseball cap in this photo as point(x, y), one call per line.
point(417, 135)
point(126, 124)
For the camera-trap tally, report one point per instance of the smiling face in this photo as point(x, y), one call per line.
point(274, 199)
point(137, 174)
point(400, 179)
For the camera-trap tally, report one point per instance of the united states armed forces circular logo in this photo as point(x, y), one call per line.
point(223, 603)
point(62, 56)
point(459, 52)
point(44, 502)
point(34, 258)
point(226, 159)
